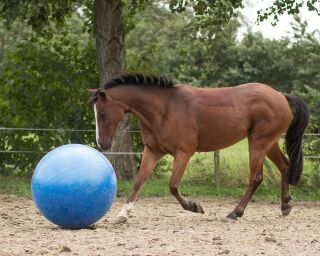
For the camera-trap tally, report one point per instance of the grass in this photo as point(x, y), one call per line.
point(159, 187)
point(15, 185)
point(198, 179)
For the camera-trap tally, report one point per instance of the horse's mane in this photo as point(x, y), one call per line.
point(139, 80)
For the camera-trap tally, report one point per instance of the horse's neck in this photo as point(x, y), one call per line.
point(146, 104)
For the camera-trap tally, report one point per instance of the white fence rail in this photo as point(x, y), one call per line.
point(35, 130)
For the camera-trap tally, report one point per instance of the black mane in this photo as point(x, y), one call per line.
point(139, 80)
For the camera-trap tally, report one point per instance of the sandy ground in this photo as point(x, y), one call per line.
point(160, 227)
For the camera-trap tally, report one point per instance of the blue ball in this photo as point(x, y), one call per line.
point(73, 186)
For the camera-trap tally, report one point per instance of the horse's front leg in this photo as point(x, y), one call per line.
point(180, 163)
point(148, 162)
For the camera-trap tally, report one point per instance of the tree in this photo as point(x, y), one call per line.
point(212, 15)
point(109, 30)
point(104, 18)
point(291, 7)
point(43, 85)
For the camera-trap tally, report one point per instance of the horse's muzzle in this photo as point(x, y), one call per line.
point(105, 144)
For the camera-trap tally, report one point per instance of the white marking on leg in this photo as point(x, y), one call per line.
point(123, 214)
point(97, 127)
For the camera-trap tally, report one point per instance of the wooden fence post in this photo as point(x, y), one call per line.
point(217, 168)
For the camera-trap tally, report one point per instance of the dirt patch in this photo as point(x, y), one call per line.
point(159, 226)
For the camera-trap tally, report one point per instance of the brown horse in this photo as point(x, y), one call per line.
point(180, 120)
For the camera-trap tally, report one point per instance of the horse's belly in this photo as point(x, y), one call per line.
point(215, 143)
point(223, 131)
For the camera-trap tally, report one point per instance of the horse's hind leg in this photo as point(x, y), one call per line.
point(279, 159)
point(257, 152)
point(179, 165)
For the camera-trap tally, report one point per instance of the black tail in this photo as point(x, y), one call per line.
point(294, 136)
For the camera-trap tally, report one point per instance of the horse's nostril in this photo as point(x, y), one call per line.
point(105, 145)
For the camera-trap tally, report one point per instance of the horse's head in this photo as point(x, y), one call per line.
point(108, 114)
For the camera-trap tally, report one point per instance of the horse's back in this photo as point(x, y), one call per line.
point(249, 97)
point(224, 116)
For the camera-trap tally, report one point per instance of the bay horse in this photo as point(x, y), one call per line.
point(180, 120)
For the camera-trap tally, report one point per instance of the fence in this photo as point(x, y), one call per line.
point(218, 158)
point(224, 158)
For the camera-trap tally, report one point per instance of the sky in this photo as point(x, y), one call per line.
point(283, 28)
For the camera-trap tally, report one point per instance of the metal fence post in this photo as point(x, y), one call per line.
point(217, 168)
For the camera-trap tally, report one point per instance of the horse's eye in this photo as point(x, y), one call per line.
point(102, 115)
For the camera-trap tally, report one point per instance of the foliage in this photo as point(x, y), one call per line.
point(43, 77)
point(44, 85)
point(46, 16)
point(37, 14)
point(163, 43)
point(292, 7)
point(211, 15)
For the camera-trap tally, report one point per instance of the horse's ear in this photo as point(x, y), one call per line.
point(102, 94)
point(98, 93)
point(92, 91)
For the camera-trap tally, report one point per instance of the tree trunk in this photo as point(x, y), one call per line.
point(111, 62)
point(2, 44)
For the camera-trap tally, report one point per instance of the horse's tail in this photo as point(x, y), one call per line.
point(293, 139)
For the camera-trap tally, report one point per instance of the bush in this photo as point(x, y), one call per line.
point(43, 85)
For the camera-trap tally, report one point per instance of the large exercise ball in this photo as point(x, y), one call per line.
point(73, 186)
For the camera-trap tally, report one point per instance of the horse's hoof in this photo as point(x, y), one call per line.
point(120, 220)
point(235, 214)
point(286, 209)
point(194, 207)
point(232, 216)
